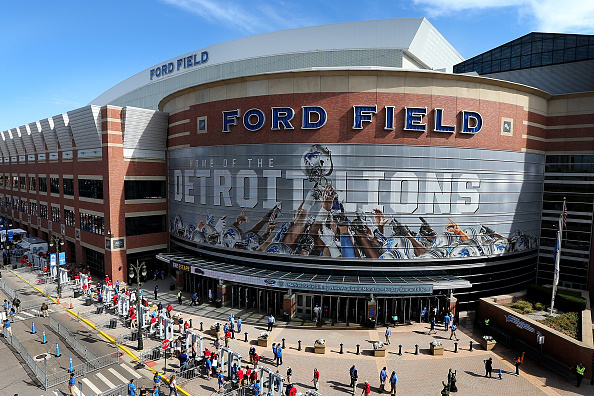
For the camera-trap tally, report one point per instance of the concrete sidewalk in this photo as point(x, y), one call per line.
point(418, 374)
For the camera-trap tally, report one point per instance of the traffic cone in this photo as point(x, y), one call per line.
point(71, 306)
point(33, 327)
point(71, 369)
point(44, 340)
point(58, 350)
point(58, 299)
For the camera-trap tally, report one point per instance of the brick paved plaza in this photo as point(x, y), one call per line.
point(418, 374)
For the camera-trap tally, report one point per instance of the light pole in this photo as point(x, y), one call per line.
point(57, 240)
point(135, 270)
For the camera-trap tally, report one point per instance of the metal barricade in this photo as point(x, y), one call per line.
point(40, 373)
point(81, 370)
point(117, 391)
point(71, 339)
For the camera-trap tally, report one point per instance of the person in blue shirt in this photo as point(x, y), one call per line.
point(131, 388)
point(157, 379)
point(279, 355)
point(221, 380)
point(71, 384)
point(383, 376)
point(256, 388)
point(155, 391)
point(7, 328)
point(239, 324)
point(183, 360)
point(393, 382)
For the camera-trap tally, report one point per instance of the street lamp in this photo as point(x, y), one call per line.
point(135, 270)
point(57, 241)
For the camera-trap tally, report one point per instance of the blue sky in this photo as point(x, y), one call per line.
point(56, 56)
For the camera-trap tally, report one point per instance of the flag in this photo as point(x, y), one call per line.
point(564, 214)
point(558, 240)
point(557, 259)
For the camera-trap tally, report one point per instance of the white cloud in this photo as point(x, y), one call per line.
point(567, 16)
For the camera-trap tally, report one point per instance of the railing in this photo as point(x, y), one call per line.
point(8, 290)
point(81, 370)
point(71, 339)
point(38, 371)
point(117, 391)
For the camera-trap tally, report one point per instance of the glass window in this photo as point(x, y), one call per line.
point(145, 225)
point(570, 41)
point(24, 206)
point(68, 186)
point(23, 182)
point(547, 45)
point(69, 218)
point(95, 261)
point(496, 66)
point(547, 58)
point(92, 223)
point(581, 53)
point(15, 182)
point(582, 40)
point(55, 185)
point(42, 184)
point(591, 51)
point(505, 64)
point(33, 208)
point(90, 188)
point(496, 54)
point(32, 183)
point(558, 56)
point(526, 49)
point(559, 43)
point(43, 211)
point(569, 55)
point(515, 62)
point(516, 50)
point(56, 214)
point(525, 61)
point(15, 203)
point(535, 60)
point(506, 51)
point(536, 47)
point(144, 189)
point(2, 176)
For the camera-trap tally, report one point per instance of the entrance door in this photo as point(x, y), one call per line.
point(304, 306)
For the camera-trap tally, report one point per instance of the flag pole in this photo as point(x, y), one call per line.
point(562, 223)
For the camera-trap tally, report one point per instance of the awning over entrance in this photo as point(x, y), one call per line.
point(410, 282)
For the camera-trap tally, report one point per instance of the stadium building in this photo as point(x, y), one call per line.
point(362, 167)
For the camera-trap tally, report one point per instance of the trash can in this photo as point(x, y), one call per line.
point(286, 316)
point(219, 303)
point(113, 323)
point(88, 301)
point(372, 323)
point(172, 286)
point(76, 293)
point(134, 336)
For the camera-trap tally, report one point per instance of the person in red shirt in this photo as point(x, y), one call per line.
point(240, 377)
point(227, 338)
point(248, 373)
point(253, 377)
point(366, 389)
point(256, 360)
point(169, 309)
point(293, 391)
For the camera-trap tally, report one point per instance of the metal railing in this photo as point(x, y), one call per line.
point(81, 370)
point(8, 290)
point(37, 371)
point(117, 391)
point(71, 339)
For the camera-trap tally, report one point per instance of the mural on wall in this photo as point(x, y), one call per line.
point(357, 201)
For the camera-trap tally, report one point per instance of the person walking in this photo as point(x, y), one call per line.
point(393, 383)
point(518, 361)
point(240, 377)
point(432, 328)
point(488, 367)
point(316, 379)
point(155, 391)
point(221, 381)
point(388, 334)
point(453, 333)
point(366, 389)
point(279, 355)
point(383, 377)
point(131, 388)
point(44, 310)
point(194, 298)
point(7, 328)
point(354, 377)
point(172, 386)
point(270, 322)
point(179, 297)
point(156, 291)
point(446, 321)
point(239, 324)
point(157, 380)
point(72, 385)
point(289, 374)
point(580, 370)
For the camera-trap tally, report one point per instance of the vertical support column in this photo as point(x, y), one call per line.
point(452, 304)
point(223, 292)
point(289, 303)
point(371, 309)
